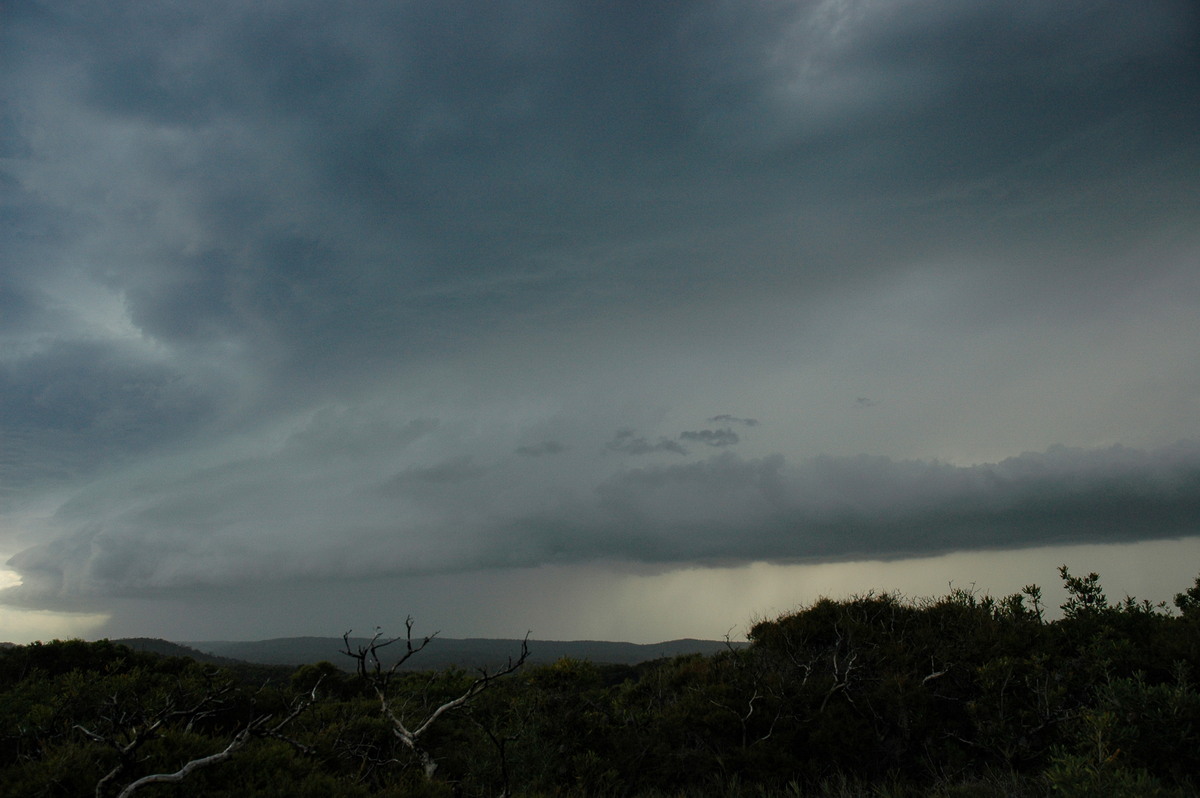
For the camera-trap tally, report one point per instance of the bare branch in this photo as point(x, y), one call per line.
point(380, 679)
point(934, 675)
point(133, 727)
point(367, 656)
point(170, 778)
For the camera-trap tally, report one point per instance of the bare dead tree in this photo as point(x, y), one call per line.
point(130, 725)
point(750, 670)
point(237, 742)
point(841, 667)
point(131, 728)
point(370, 668)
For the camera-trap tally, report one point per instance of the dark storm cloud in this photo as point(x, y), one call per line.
point(319, 288)
point(627, 441)
point(343, 433)
point(541, 449)
point(370, 186)
point(469, 143)
point(711, 437)
point(725, 418)
point(724, 509)
point(863, 506)
point(74, 406)
point(460, 469)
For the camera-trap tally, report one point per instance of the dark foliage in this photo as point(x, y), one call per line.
point(958, 695)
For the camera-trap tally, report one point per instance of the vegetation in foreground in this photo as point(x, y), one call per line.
point(962, 695)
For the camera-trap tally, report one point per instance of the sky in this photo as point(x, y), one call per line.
point(632, 320)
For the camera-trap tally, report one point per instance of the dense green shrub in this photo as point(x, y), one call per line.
point(872, 695)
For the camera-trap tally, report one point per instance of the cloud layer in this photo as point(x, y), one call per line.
point(315, 290)
point(333, 510)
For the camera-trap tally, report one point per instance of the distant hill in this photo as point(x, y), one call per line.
point(444, 652)
point(249, 672)
point(166, 648)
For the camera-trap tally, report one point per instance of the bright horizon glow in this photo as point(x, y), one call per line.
point(9, 578)
point(23, 626)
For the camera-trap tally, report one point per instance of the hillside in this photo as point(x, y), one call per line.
point(443, 652)
point(166, 648)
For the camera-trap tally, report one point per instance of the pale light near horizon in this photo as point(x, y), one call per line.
point(23, 626)
point(697, 602)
